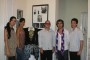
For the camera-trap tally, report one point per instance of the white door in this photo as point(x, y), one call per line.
point(84, 19)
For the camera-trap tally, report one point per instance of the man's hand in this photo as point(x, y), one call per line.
point(41, 50)
point(53, 49)
point(79, 52)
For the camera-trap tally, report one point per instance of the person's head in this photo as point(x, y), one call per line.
point(10, 25)
point(12, 21)
point(74, 22)
point(47, 24)
point(22, 22)
point(60, 23)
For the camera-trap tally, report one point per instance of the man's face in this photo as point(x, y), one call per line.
point(47, 24)
point(73, 24)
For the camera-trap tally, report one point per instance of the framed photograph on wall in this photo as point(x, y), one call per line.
point(19, 13)
point(39, 15)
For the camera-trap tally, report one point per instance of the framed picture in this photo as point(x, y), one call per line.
point(39, 15)
point(17, 23)
point(19, 13)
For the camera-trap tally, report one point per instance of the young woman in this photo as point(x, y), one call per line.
point(20, 39)
point(10, 39)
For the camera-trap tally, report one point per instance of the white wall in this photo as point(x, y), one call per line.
point(2, 15)
point(74, 9)
point(19, 4)
point(52, 4)
point(88, 30)
point(60, 9)
point(69, 9)
point(88, 18)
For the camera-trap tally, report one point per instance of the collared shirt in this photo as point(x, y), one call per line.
point(46, 39)
point(75, 37)
point(66, 40)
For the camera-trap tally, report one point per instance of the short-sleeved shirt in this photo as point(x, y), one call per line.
point(46, 39)
point(76, 36)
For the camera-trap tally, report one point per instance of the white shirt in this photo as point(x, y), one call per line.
point(46, 39)
point(66, 40)
point(75, 37)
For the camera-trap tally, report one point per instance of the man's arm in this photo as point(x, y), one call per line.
point(54, 40)
point(81, 43)
point(81, 47)
point(40, 42)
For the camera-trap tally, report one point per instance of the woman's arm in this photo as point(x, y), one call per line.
point(6, 42)
point(17, 35)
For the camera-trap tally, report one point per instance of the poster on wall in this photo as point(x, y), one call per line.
point(19, 15)
point(39, 15)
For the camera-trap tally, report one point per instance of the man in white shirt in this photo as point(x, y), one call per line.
point(76, 41)
point(62, 41)
point(46, 41)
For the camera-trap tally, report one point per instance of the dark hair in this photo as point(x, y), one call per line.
point(8, 27)
point(60, 20)
point(22, 19)
point(75, 19)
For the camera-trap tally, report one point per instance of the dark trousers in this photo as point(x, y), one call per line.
point(74, 56)
point(11, 58)
point(62, 57)
point(47, 55)
point(20, 54)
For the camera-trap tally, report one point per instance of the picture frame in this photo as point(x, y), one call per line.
point(39, 15)
point(19, 13)
point(17, 23)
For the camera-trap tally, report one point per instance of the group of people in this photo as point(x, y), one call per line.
point(65, 44)
point(14, 41)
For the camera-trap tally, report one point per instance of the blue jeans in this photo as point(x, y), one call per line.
point(20, 54)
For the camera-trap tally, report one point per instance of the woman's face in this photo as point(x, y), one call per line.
point(22, 23)
point(13, 22)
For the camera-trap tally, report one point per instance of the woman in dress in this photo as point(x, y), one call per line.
point(10, 39)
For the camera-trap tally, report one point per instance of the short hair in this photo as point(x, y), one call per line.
point(60, 20)
point(75, 19)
